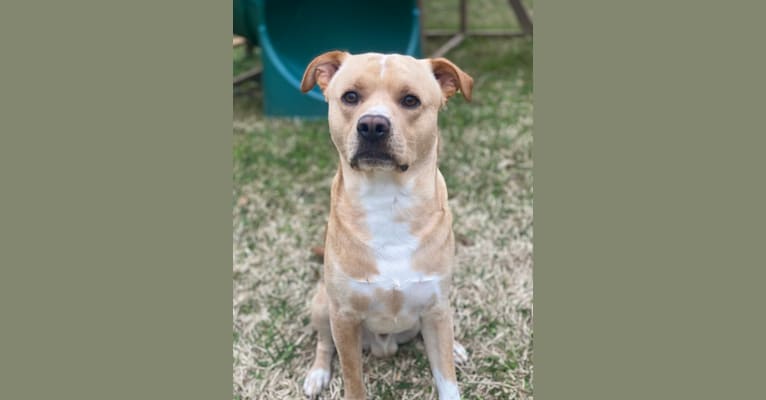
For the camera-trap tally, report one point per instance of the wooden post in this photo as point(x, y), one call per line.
point(521, 16)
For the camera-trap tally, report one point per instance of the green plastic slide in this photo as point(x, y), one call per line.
point(292, 33)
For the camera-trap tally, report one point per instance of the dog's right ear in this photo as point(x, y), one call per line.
point(321, 69)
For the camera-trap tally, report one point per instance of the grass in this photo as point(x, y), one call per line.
point(282, 174)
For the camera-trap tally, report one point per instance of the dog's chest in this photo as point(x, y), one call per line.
point(399, 291)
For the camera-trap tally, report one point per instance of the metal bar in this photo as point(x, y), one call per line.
point(440, 33)
point(485, 33)
point(254, 73)
point(498, 34)
point(521, 16)
point(446, 47)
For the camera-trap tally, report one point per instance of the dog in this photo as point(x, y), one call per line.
point(389, 245)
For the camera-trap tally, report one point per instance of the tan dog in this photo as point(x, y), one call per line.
point(389, 245)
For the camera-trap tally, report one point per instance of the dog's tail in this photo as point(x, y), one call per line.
point(318, 251)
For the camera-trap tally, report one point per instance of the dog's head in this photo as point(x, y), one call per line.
point(383, 108)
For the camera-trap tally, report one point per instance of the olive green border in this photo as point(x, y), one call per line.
point(649, 200)
point(115, 173)
point(115, 167)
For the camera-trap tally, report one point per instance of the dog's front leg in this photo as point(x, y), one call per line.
point(439, 340)
point(347, 334)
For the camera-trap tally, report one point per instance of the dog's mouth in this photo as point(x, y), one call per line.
point(376, 160)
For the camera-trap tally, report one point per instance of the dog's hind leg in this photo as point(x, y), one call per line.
point(319, 375)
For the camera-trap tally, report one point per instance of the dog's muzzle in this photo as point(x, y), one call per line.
point(373, 149)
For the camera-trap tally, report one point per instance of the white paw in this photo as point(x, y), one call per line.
point(447, 390)
point(458, 351)
point(316, 380)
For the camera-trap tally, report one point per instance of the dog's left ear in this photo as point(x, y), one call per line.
point(451, 78)
point(321, 69)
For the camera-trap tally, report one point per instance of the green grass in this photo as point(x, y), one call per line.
point(282, 173)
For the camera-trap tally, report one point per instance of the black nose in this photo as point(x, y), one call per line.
point(373, 127)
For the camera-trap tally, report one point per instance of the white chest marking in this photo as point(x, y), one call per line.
point(392, 243)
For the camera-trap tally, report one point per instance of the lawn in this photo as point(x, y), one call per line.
point(282, 174)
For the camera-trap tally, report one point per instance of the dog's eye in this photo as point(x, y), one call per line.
point(350, 97)
point(410, 101)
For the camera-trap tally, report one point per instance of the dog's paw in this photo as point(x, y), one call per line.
point(316, 380)
point(458, 351)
